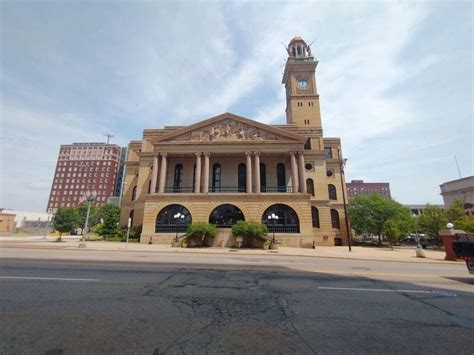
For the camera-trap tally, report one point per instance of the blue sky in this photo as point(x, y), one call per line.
point(395, 81)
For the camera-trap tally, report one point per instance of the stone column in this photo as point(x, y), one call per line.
point(164, 165)
point(154, 175)
point(197, 176)
point(294, 173)
point(205, 186)
point(249, 172)
point(301, 172)
point(257, 172)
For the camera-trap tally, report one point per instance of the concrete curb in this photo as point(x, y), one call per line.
point(226, 251)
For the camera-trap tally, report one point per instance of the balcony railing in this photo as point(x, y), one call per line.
point(231, 189)
point(283, 228)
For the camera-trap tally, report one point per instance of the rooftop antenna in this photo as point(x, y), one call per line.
point(108, 135)
point(457, 165)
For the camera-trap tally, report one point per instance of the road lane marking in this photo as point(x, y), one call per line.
point(45, 278)
point(386, 290)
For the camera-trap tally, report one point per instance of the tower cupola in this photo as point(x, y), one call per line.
point(299, 49)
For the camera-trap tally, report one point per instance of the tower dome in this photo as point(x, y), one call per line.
point(298, 48)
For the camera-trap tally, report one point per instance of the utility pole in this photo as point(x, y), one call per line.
point(108, 135)
point(342, 163)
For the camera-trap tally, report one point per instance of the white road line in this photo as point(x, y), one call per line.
point(385, 290)
point(44, 278)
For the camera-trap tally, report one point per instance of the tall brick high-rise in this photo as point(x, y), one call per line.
point(84, 167)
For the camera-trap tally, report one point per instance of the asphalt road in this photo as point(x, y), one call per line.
point(234, 304)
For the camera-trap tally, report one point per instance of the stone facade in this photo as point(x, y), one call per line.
point(289, 170)
point(7, 222)
point(460, 189)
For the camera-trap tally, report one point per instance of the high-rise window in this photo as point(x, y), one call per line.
point(332, 192)
point(242, 177)
point(216, 177)
point(178, 177)
point(327, 153)
point(281, 177)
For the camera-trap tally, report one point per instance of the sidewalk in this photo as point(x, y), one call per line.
point(404, 254)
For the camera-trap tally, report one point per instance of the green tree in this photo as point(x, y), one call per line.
point(65, 219)
point(110, 215)
point(378, 216)
point(432, 220)
point(455, 211)
point(465, 223)
point(82, 210)
point(400, 225)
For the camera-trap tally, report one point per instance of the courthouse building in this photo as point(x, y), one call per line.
point(229, 168)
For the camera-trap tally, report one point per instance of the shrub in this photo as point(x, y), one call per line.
point(199, 233)
point(251, 232)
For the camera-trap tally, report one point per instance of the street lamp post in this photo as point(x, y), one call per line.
point(273, 217)
point(419, 250)
point(90, 197)
point(342, 164)
point(178, 217)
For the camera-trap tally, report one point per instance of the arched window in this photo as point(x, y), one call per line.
point(178, 177)
point(225, 216)
point(131, 215)
point(281, 177)
point(335, 219)
point(332, 192)
point(242, 177)
point(166, 221)
point(287, 222)
point(134, 193)
point(149, 186)
point(310, 186)
point(216, 177)
point(315, 217)
point(263, 178)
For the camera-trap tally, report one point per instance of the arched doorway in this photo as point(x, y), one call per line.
point(166, 221)
point(287, 222)
point(225, 216)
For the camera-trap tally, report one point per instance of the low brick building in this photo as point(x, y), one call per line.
point(359, 187)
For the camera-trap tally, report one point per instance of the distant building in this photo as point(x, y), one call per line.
point(359, 187)
point(27, 218)
point(460, 189)
point(418, 209)
point(84, 167)
point(7, 222)
point(121, 171)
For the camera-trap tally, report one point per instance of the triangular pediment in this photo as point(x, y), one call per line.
point(230, 128)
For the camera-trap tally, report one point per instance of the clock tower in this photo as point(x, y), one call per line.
point(302, 99)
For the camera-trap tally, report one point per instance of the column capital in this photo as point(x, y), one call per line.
point(198, 154)
point(248, 153)
point(256, 153)
point(300, 152)
point(164, 154)
point(206, 154)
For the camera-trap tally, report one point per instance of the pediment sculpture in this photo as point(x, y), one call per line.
point(228, 131)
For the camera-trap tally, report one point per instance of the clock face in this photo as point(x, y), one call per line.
point(302, 84)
